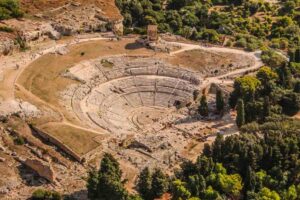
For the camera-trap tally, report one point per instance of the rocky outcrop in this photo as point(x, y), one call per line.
point(117, 27)
point(18, 107)
point(31, 30)
point(6, 46)
point(42, 168)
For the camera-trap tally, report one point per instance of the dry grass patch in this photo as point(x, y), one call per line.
point(207, 61)
point(80, 141)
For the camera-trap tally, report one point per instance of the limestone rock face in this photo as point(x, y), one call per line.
point(6, 46)
point(42, 168)
point(117, 27)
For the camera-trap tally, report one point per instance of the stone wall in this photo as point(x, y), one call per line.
point(80, 158)
point(57, 143)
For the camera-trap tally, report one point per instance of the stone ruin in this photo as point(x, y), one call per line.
point(114, 88)
point(133, 100)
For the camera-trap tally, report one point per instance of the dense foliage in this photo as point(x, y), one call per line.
point(248, 23)
point(10, 9)
point(272, 92)
point(247, 166)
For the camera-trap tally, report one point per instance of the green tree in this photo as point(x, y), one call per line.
point(211, 194)
point(159, 183)
point(245, 88)
point(196, 184)
point(230, 184)
point(267, 194)
point(250, 180)
point(272, 58)
point(240, 118)
point(210, 35)
point(219, 101)
point(291, 193)
point(203, 108)
point(144, 184)
point(92, 184)
point(297, 87)
point(266, 107)
point(266, 74)
point(290, 103)
point(108, 180)
point(297, 55)
point(179, 190)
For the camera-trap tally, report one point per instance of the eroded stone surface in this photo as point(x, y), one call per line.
point(42, 168)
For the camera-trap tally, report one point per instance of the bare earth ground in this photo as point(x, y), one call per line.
point(41, 83)
point(37, 6)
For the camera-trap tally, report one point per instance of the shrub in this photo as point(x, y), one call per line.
point(19, 141)
point(10, 9)
point(42, 194)
point(242, 42)
point(6, 29)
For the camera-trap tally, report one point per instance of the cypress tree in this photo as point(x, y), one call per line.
point(203, 108)
point(292, 54)
point(219, 101)
point(297, 55)
point(266, 107)
point(240, 118)
point(217, 148)
point(288, 77)
point(250, 180)
point(144, 184)
point(297, 87)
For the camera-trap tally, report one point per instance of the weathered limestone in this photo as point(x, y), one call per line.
point(42, 168)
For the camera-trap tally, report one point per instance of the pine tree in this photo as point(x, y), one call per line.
point(206, 150)
point(107, 184)
point(219, 101)
point(159, 184)
point(144, 184)
point(92, 184)
point(217, 148)
point(196, 184)
point(240, 118)
point(203, 108)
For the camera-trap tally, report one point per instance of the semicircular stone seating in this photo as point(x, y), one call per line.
point(122, 94)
